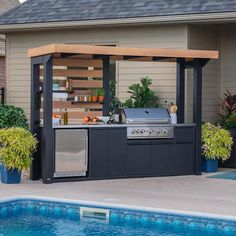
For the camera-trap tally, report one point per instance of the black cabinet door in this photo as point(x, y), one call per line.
point(138, 161)
point(162, 159)
point(184, 159)
point(98, 153)
point(117, 152)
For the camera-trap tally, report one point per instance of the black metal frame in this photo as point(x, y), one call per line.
point(196, 65)
point(46, 153)
point(180, 89)
point(106, 84)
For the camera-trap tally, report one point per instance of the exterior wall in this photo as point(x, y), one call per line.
point(163, 74)
point(205, 37)
point(2, 72)
point(5, 5)
point(228, 59)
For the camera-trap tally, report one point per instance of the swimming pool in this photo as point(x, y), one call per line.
point(24, 217)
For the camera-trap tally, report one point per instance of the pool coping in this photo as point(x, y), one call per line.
point(121, 207)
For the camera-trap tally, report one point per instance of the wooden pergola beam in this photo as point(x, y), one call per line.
point(122, 51)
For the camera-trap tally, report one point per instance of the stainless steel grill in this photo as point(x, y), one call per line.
point(148, 123)
point(146, 116)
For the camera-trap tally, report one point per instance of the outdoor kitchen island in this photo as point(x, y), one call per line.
point(81, 152)
point(112, 155)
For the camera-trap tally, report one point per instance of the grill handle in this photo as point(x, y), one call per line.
point(149, 141)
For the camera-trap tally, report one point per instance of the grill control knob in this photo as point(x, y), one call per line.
point(166, 131)
point(159, 131)
point(151, 131)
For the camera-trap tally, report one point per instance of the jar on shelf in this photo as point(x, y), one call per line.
point(81, 98)
point(85, 98)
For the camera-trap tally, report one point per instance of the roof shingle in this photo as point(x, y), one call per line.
point(40, 11)
point(5, 5)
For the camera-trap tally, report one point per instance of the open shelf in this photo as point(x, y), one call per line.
point(81, 102)
point(63, 91)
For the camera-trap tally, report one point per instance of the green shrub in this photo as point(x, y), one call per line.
point(217, 142)
point(141, 95)
point(229, 122)
point(16, 147)
point(11, 116)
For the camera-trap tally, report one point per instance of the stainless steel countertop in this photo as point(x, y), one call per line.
point(79, 126)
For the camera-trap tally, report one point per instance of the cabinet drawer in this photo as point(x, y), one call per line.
point(184, 134)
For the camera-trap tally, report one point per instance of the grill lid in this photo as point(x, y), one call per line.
point(147, 115)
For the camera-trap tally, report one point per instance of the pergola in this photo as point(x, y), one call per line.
point(72, 55)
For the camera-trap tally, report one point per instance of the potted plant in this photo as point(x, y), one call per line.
point(11, 116)
point(141, 95)
point(101, 94)
point(94, 94)
point(16, 147)
point(227, 119)
point(216, 145)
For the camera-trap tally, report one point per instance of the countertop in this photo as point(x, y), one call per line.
point(79, 126)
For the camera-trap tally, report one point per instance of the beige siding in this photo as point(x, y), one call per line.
point(163, 74)
point(228, 59)
point(205, 37)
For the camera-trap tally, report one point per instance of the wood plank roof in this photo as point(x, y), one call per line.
point(121, 53)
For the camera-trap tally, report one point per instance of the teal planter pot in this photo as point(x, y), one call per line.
point(10, 176)
point(209, 165)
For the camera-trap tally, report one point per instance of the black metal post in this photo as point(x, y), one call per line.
point(2, 95)
point(35, 171)
point(48, 150)
point(197, 111)
point(106, 84)
point(180, 89)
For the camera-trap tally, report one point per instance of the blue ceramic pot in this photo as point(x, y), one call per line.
point(209, 165)
point(10, 176)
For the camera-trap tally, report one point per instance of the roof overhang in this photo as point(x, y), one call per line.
point(173, 19)
point(121, 53)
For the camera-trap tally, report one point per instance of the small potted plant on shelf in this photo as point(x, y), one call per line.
point(94, 94)
point(216, 145)
point(101, 94)
point(16, 147)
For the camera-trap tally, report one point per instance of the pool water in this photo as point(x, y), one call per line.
point(48, 218)
point(28, 225)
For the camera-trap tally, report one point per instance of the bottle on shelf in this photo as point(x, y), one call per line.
point(76, 99)
point(68, 84)
point(65, 117)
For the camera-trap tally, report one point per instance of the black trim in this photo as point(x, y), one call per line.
point(180, 89)
point(197, 111)
point(106, 84)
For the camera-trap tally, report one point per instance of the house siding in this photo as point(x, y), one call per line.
point(228, 59)
point(205, 37)
point(162, 74)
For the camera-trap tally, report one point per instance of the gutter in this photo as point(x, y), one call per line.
point(174, 19)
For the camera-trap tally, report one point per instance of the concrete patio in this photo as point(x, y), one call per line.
point(186, 193)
